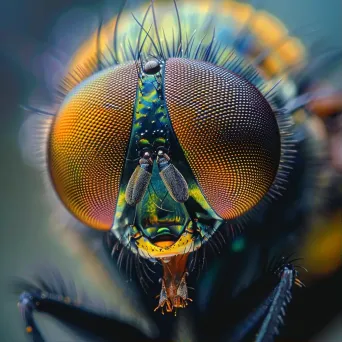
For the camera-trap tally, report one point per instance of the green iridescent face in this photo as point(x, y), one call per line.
point(149, 215)
point(159, 217)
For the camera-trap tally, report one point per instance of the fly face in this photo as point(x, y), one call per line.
point(164, 150)
point(202, 146)
point(165, 141)
point(204, 154)
point(161, 213)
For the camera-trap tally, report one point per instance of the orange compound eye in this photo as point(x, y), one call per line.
point(88, 144)
point(228, 133)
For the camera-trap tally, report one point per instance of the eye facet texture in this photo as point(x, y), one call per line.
point(88, 144)
point(227, 130)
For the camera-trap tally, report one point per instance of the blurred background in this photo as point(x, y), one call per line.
point(27, 28)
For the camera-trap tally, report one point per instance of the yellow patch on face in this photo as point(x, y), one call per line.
point(195, 192)
point(121, 199)
point(184, 244)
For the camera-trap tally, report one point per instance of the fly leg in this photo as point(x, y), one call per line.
point(278, 300)
point(82, 319)
point(28, 302)
point(274, 293)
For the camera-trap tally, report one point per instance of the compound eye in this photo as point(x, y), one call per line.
point(88, 144)
point(228, 132)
